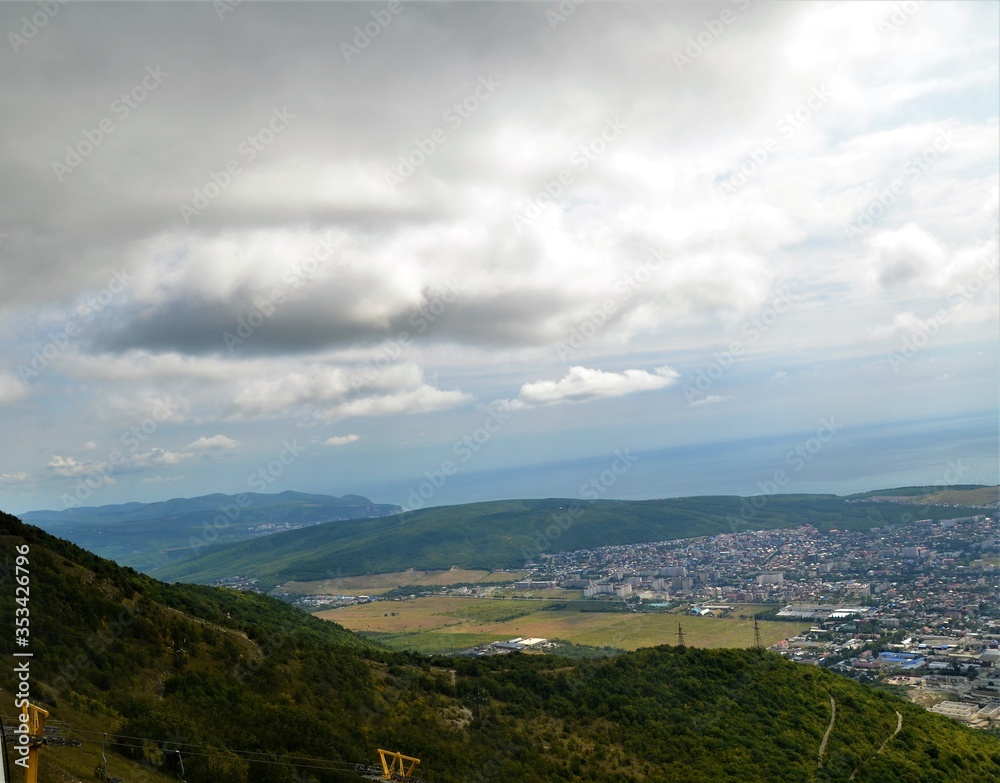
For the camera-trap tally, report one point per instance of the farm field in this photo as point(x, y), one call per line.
point(446, 624)
point(973, 497)
point(376, 584)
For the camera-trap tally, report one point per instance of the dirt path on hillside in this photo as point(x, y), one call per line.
point(829, 729)
point(899, 727)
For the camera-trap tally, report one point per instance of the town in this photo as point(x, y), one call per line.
point(915, 605)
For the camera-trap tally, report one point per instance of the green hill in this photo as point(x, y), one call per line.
point(505, 534)
point(144, 535)
point(250, 690)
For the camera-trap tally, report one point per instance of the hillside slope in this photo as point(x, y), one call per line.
point(144, 535)
point(504, 534)
point(253, 691)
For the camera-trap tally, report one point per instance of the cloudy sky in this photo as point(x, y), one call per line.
point(475, 250)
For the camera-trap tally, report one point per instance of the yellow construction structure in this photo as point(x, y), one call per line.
point(396, 766)
point(33, 718)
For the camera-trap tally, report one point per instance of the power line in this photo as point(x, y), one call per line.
point(252, 756)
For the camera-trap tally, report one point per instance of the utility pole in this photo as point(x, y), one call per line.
point(4, 763)
point(680, 635)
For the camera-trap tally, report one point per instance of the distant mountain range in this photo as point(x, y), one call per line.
point(506, 534)
point(147, 535)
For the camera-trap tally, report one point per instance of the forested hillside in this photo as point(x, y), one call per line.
point(504, 534)
point(252, 691)
point(145, 535)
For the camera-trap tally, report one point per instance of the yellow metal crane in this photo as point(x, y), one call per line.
point(396, 766)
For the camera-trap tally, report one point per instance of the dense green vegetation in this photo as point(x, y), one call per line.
point(918, 492)
point(504, 534)
point(270, 695)
point(144, 535)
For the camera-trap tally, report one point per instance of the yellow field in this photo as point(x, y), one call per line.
point(376, 584)
point(972, 497)
point(442, 624)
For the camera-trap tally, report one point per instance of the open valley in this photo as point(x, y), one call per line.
point(449, 624)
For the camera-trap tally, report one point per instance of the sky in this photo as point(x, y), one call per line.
point(444, 252)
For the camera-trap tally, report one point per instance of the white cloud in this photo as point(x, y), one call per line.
point(11, 389)
point(420, 400)
point(7, 479)
point(712, 399)
point(582, 385)
point(355, 264)
point(905, 258)
point(329, 393)
point(70, 466)
point(156, 457)
point(341, 440)
point(213, 443)
point(161, 479)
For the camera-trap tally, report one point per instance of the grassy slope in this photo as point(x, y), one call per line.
point(258, 676)
point(505, 533)
point(972, 494)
